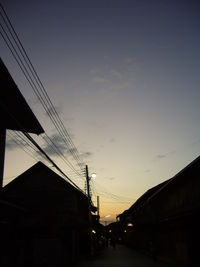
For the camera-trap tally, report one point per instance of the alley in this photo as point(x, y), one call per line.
point(120, 257)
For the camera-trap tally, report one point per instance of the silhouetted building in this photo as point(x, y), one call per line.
point(165, 220)
point(15, 113)
point(44, 220)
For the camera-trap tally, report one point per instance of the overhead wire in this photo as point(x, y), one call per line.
point(44, 98)
point(50, 160)
point(102, 191)
point(26, 144)
point(38, 81)
point(19, 143)
point(39, 148)
point(31, 82)
point(55, 148)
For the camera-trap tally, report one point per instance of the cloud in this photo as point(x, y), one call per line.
point(112, 140)
point(11, 144)
point(86, 154)
point(161, 156)
point(97, 124)
point(113, 79)
point(99, 79)
point(52, 111)
point(116, 73)
point(172, 152)
point(118, 86)
point(195, 143)
point(69, 120)
point(111, 178)
point(62, 147)
point(59, 144)
point(94, 71)
point(72, 151)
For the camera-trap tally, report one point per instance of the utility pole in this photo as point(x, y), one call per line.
point(2, 153)
point(98, 207)
point(89, 210)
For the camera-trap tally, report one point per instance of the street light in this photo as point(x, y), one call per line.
point(93, 175)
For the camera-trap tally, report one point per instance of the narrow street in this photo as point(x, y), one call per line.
point(120, 257)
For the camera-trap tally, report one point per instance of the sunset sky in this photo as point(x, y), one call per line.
point(124, 77)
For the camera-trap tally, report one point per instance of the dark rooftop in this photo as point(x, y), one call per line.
point(15, 113)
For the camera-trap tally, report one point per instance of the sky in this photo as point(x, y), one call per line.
point(124, 78)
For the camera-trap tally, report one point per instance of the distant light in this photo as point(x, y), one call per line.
point(93, 175)
point(93, 231)
point(130, 224)
point(124, 231)
point(110, 231)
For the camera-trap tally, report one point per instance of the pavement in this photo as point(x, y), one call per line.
point(120, 257)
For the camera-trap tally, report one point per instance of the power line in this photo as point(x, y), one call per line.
point(102, 191)
point(43, 96)
point(26, 145)
point(31, 82)
point(50, 160)
point(38, 147)
point(22, 146)
point(55, 148)
point(32, 77)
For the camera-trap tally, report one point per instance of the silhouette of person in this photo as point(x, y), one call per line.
point(113, 241)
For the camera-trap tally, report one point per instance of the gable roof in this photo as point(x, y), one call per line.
point(15, 113)
point(39, 175)
point(41, 191)
point(142, 199)
point(190, 171)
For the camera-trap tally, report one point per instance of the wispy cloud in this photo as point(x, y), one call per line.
point(52, 111)
point(109, 178)
point(161, 156)
point(112, 140)
point(195, 143)
point(164, 156)
point(119, 86)
point(11, 144)
point(99, 79)
point(116, 73)
point(59, 144)
point(94, 71)
point(97, 124)
point(116, 77)
point(86, 154)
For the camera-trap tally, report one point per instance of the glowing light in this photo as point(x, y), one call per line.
point(93, 175)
